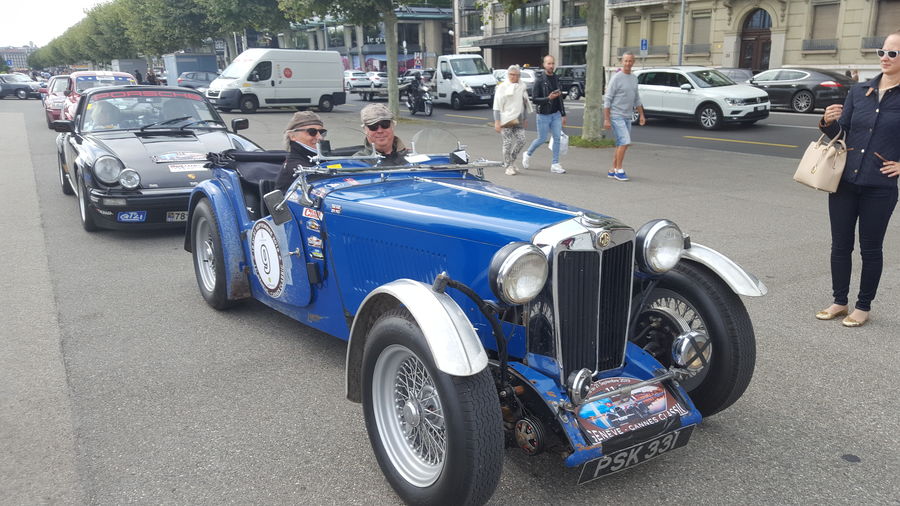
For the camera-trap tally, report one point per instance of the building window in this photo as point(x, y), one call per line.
point(472, 24)
point(632, 35)
point(759, 20)
point(574, 55)
point(408, 32)
point(531, 17)
point(701, 22)
point(336, 36)
point(824, 27)
point(659, 34)
point(888, 18)
point(574, 12)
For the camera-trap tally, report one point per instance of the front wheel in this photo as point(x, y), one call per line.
point(22, 94)
point(691, 297)
point(325, 104)
point(429, 108)
point(437, 438)
point(803, 101)
point(209, 261)
point(574, 93)
point(84, 209)
point(248, 104)
point(456, 102)
point(709, 117)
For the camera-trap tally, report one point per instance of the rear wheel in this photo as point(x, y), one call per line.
point(437, 438)
point(249, 104)
point(209, 261)
point(574, 93)
point(22, 94)
point(709, 117)
point(325, 104)
point(803, 101)
point(84, 209)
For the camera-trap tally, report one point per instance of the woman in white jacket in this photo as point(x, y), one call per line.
point(510, 105)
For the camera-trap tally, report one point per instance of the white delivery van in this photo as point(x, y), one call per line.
point(464, 79)
point(261, 77)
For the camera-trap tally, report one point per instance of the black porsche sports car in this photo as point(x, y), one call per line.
point(132, 154)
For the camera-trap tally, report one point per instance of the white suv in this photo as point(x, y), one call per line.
point(701, 94)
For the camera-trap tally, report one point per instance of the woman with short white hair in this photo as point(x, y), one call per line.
point(510, 120)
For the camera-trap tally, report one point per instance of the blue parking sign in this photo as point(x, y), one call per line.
point(644, 45)
point(9, 62)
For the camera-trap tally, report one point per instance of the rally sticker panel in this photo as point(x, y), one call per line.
point(267, 261)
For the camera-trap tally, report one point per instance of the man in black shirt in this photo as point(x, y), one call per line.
point(551, 113)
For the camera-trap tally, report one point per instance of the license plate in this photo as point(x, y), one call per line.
point(131, 216)
point(485, 97)
point(637, 454)
point(760, 108)
point(175, 216)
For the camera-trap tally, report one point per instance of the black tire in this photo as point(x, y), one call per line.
point(249, 104)
point(709, 117)
point(325, 103)
point(456, 102)
point(84, 207)
point(693, 297)
point(206, 249)
point(410, 105)
point(64, 183)
point(429, 108)
point(803, 101)
point(49, 121)
point(22, 94)
point(636, 117)
point(471, 460)
point(574, 92)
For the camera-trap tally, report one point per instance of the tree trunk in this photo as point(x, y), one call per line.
point(593, 93)
point(390, 45)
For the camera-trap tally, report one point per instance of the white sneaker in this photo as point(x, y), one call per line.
point(525, 158)
point(510, 171)
point(557, 169)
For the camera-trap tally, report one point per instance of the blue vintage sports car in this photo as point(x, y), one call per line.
point(477, 315)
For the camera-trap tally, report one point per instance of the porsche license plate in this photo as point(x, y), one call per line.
point(176, 216)
point(637, 454)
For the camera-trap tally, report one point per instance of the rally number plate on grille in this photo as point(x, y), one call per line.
point(176, 216)
point(629, 457)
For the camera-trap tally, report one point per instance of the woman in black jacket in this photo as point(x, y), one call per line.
point(301, 136)
point(867, 194)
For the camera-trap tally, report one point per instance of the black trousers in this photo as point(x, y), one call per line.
point(872, 207)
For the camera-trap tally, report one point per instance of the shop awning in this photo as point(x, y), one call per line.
point(534, 38)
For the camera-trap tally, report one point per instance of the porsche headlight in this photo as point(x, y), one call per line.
point(659, 244)
point(107, 169)
point(129, 179)
point(518, 272)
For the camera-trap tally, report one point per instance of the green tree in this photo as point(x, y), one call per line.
point(109, 32)
point(163, 26)
point(360, 12)
point(593, 97)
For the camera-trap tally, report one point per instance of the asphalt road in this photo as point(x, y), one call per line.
point(782, 134)
point(118, 384)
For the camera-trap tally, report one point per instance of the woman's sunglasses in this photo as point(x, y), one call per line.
point(383, 124)
point(312, 131)
point(890, 54)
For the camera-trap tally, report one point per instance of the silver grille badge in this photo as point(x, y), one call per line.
point(603, 239)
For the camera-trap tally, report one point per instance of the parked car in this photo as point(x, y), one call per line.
point(527, 78)
point(572, 79)
point(408, 75)
point(196, 79)
point(79, 82)
point(55, 99)
point(19, 86)
point(699, 94)
point(737, 75)
point(356, 79)
point(132, 154)
point(477, 314)
point(379, 79)
point(803, 89)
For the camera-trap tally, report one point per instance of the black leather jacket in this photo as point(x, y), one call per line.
point(543, 85)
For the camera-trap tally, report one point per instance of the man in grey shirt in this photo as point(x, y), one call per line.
point(619, 103)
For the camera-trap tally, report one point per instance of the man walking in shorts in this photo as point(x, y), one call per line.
point(619, 103)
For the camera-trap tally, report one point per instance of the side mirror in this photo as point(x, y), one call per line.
point(240, 124)
point(752, 80)
point(446, 75)
point(687, 87)
point(276, 205)
point(63, 125)
point(254, 77)
point(42, 91)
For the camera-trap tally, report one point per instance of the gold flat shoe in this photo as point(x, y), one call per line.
point(850, 322)
point(825, 315)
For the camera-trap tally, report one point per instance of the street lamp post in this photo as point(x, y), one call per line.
point(681, 37)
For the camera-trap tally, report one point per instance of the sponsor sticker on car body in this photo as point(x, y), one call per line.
point(312, 213)
point(131, 216)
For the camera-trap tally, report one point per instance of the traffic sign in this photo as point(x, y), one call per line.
point(9, 62)
point(645, 46)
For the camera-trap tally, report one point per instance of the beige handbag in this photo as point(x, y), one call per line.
point(823, 163)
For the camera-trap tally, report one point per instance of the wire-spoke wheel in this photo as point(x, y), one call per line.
point(437, 438)
point(693, 298)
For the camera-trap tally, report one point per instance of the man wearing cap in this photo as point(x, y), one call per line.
point(302, 134)
point(378, 123)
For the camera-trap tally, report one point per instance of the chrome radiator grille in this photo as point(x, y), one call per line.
point(593, 291)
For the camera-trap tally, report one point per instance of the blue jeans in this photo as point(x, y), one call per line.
point(548, 124)
point(621, 127)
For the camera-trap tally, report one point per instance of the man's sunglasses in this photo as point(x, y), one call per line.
point(890, 54)
point(383, 124)
point(312, 131)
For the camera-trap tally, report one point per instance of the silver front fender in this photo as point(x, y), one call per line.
point(453, 342)
point(739, 280)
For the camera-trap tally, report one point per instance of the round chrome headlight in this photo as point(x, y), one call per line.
point(129, 179)
point(659, 245)
point(107, 169)
point(518, 272)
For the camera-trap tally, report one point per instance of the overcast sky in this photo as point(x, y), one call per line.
point(39, 22)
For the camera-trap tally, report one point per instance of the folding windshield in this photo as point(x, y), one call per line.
point(469, 67)
point(146, 109)
point(710, 78)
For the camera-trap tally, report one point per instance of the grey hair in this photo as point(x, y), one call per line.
point(513, 68)
point(626, 53)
